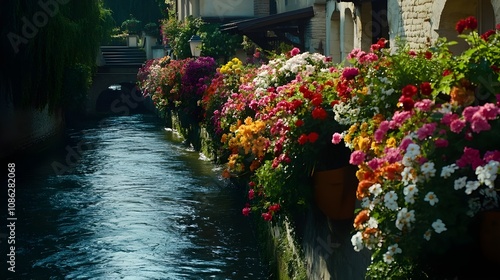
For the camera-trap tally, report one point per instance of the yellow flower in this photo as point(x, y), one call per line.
point(391, 142)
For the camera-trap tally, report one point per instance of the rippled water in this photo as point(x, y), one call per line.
point(134, 203)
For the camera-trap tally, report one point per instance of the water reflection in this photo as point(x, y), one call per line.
point(135, 205)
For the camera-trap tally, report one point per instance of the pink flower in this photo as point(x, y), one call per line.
point(246, 211)
point(426, 130)
point(350, 73)
point(470, 156)
point(375, 163)
point(424, 105)
point(441, 143)
point(336, 138)
point(357, 157)
point(399, 118)
point(405, 143)
point(492, 155)
point(393, 155)
point(251, 194)
point(457, 125)
point(479, 123)
point(448, 118)
point(294, 51)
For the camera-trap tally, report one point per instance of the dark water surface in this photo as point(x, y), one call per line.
point(131, 202)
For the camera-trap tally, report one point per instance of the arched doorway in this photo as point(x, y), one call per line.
point(335, 37)
point(348, 33)
point(455, 10)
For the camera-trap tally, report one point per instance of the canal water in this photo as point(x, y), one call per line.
point(124, 199)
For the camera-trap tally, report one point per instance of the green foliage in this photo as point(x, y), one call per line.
point(216, 44)
point(131, 25)
point(71, 36)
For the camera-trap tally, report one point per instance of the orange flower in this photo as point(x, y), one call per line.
point(362, 190)
point(392, 171)
point(360, 219)
point(461, 96)
point(226, 174)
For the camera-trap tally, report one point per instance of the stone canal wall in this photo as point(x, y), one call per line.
point(309, 247)
point(28, 131)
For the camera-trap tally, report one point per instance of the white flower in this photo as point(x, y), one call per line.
point(431, 198)
point(448, 170)
point(445, 108)
point(394, 249)
point(471, 186)
point(372, 223)
point(390, 200)
point(428, 169)
point(413, 150)
point(410, 191)
point(365, 202)
point(388, 258)
point(375, 189)
point(487, 174)
point(407, 175)
point(439, 226)
point(357, 241)
point(427, 235)
point(405, 218)
point(407, 161)
point(460, 183)
point(388, 92)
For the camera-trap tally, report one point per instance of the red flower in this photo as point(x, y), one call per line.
point(471, 23)
point(319, 113)
point(303, 139)
point(446, 72)
point(317, 99)
point(299, 123)
point(486, 35)
point(407, 102)
point(425, 88)
point(460, 26)
point(312, 137)
point(428, 55)
point(267, 216)
point(274, 208)
point(409, 91)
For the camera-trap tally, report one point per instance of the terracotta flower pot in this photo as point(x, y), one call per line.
point(335, 192)
point(489, 236)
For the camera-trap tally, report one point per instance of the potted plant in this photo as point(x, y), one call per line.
point(132, 27)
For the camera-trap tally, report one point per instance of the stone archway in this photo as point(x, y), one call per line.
point(447, 13)
point(334, 38)
point(121, 98)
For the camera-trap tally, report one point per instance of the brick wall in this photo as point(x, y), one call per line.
point(261, 8)
point(316, 30)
